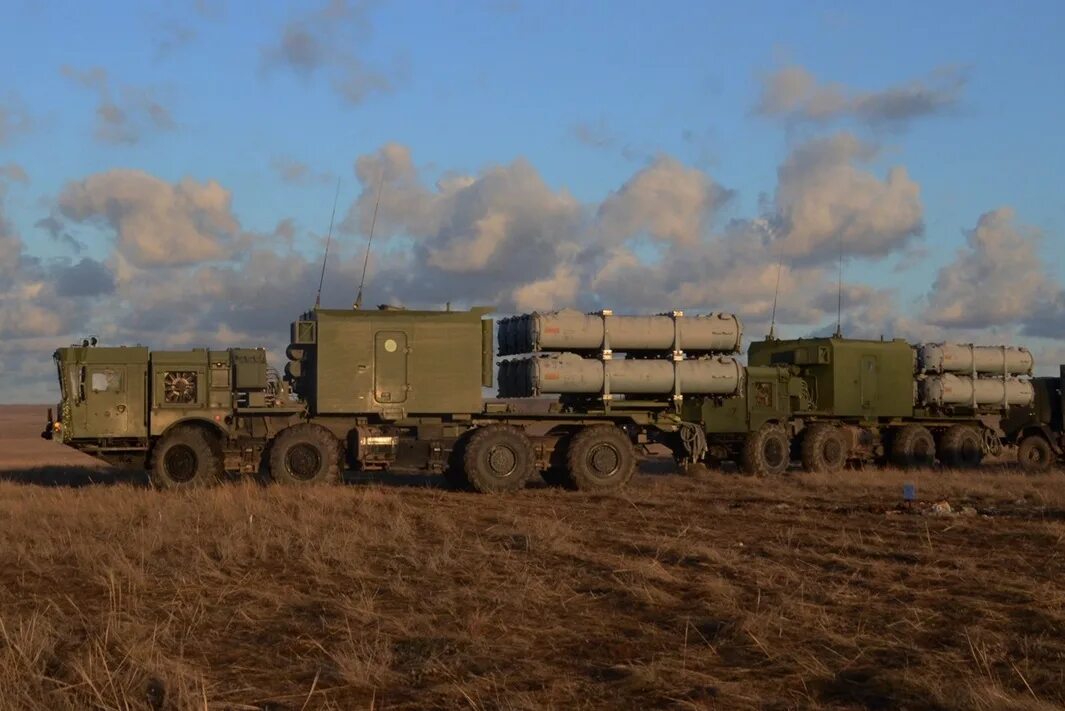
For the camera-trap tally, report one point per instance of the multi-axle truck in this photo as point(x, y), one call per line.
point(580, 395)
point(373, 389)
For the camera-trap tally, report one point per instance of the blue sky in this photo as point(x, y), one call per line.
point(592, 95)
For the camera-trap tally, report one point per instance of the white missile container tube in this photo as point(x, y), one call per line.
point(569, 330)
point(950, 389)
point(967, 358)
point(568, 373)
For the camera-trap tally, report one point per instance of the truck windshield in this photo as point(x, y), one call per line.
point(62, 382)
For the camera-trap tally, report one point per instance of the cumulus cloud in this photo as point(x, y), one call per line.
point(795, 95)
point(123, 114)
point(997, 279)
point(322, 41)
point(156, 223)
point(666, 200)
point(86, 278)
point(824, 196)
point(503, 236)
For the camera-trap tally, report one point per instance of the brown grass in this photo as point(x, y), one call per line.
point(728, 592)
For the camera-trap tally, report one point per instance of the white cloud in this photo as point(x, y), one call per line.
point(156, 223)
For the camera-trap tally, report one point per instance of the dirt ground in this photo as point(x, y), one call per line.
point(725, 592)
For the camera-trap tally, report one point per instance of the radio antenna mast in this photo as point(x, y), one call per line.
point(328, 240)
point(776, 292)
point(839, 292)
point(373, 223)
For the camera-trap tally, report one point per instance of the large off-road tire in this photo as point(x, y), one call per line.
point(600, 458)
point(913, 447)
point(1035, 454)
point(823, 449)
point(305, 454)
point(766, 451)
point(498, 459)
point(186, 458)
point(961, 447)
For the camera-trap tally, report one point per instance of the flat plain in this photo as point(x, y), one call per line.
point(800, 591)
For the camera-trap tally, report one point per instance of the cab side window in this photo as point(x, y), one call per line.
point(106, 381)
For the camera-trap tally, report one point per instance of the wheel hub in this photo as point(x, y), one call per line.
point(303, 461)
point(774, 453)
point(832, 451)
point(604, 460)
point(181, 462)
point(502, 460)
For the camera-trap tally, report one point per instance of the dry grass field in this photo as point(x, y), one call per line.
point(725, 592)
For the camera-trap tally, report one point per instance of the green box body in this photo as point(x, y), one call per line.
point(392, 363)
point(847, 377)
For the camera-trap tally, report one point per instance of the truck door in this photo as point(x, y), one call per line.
point(867, 378)
point(105, 408)
point(390, 366)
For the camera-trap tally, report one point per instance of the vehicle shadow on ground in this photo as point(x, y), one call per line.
point(75, 476)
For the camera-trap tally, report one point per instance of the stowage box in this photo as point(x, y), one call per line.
point(393, 362)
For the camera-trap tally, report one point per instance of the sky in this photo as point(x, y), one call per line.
point(168, 169)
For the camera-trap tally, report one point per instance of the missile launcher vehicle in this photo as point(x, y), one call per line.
point(892, 403)
point(373, 389)
point(580, 396)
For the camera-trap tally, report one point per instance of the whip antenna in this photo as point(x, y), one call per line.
point(839, 292)
point(328, 239)
point(776, 292)
point(373, 223)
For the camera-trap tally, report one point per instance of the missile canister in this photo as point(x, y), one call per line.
point(960, 358)
point(950, 389)
point(568, 373)
point(570, 330)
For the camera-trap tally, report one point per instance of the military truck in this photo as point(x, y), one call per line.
point(892, 403)
point(373, 389)
point(1039, 430)
point(187, 416)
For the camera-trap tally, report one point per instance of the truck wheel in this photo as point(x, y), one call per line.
point(913, 447)
point(766, 451)
point(1035, 455)
point(961, 447)
point(185, 458)
point(305, 454)
point(600, 458)
point(823, 449)
point(497, 459)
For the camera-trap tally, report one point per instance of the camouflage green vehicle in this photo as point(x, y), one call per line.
point(374, 389)
point(889, 402)
point(186, 416)
point(1039, 430)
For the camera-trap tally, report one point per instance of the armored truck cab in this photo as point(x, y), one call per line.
point(118, 403)
point(1039, 430)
